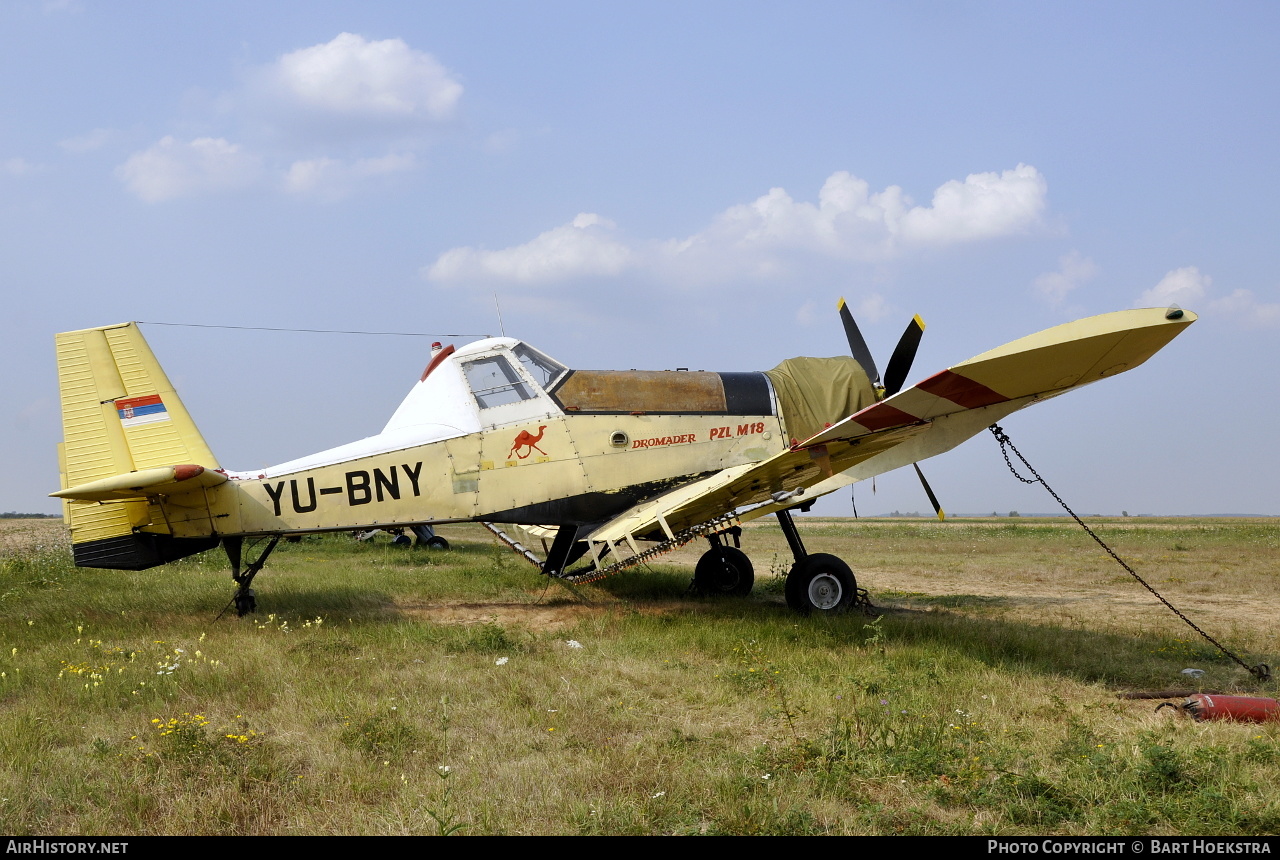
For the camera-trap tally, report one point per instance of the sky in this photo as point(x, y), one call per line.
point(653, 186)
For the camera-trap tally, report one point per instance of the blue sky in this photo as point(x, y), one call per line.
point(669, 185)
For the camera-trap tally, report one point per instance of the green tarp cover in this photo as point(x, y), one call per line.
point(814, 393)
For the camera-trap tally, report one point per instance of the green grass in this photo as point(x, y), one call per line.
point(391, 691)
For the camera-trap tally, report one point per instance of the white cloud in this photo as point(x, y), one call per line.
point(873, 308)
point(1245, 307)
point(807, 313)
point(321, 119)
point(846, 221)
point(95, 139)
point(312, 174)
point(583, 248)
point(349, 86)
point(984, 206)
point(1183, 287)
point(502, 141)
point(172, 168)
point(18, 167)
point(353, 77)
point(1073, 270)
point(331, 178)
point(761, 240)
point(1188, 287)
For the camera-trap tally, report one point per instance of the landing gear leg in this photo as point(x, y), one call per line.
point(792, 535)
point(565, 550)
point(244, 598)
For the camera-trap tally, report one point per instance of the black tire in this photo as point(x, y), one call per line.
point(402, 540)
point(437, 542)
point(821, 583)
point(246, 602)
point(724, 570)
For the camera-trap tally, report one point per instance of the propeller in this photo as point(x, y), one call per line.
point(895, 375)
point(928, 491)
point(903, 354)
point(858, 344)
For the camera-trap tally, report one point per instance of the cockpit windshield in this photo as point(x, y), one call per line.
point(544, 369)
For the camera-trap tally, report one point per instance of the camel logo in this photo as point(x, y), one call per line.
point(527, 442)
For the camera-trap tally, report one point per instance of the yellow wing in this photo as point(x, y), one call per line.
point(920, 422)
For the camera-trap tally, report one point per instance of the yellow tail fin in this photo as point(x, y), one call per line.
point(120, 414)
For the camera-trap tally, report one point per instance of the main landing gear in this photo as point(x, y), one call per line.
point(818, 583)
point(427, 537)
point(724, 569)
point(244, 598)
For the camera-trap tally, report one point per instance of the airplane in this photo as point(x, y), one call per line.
point(590, 464)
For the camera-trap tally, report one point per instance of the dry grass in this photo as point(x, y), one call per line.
point(28, 534)
point(982, 701)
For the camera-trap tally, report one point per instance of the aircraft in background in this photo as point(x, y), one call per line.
point(604, 469)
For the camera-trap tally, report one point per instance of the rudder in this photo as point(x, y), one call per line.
point(121, 414)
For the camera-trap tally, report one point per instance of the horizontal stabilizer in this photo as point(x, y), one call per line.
point(163, 480)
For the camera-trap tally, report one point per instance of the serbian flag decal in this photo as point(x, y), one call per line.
point(135, 411)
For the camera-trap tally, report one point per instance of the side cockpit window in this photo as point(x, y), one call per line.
point(544, 369)
point(495, 382)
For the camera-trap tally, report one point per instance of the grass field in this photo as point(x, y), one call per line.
point(382, 690)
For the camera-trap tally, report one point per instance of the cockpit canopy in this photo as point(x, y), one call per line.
point(485, 384)
point(495, 381)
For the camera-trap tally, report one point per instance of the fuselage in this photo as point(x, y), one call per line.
point(498, 431)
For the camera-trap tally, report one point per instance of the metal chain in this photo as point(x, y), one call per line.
point(583, 577)
point(1262, 671)
point(718, 524)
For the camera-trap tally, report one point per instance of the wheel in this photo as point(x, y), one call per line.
point(246, 602)
point(402, 540)
point(437, 542)
point(821, 583)
point(724, 570)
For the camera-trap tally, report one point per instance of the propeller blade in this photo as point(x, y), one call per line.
point(857, 345)
point(903, 354)
point(933, 500)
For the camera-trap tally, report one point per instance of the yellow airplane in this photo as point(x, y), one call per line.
point(603, 469)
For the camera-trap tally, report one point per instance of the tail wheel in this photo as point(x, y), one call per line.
point(821, 583)
point(724, 570)
point(246, 602)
